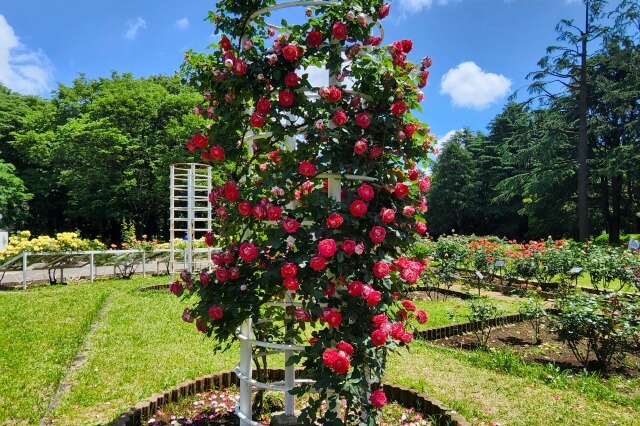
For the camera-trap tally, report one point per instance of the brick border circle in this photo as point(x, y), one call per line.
point(404, 396)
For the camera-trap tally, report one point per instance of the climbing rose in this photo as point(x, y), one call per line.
point(306, 168)
point(314, 38)
point(204, 277)
point(378, 337)
point(231, 191)
point(291, 284)
point(222, 274)
point(225, 43)
point(408, 211)
point(339, 30)
point(363, 120)
point(176, 288)
point(375, 152)
point(285, 98)
point(425, 184)
point(208, 239)
point(398, 108)
point(292, 79)
point(290, 52)
point(200, 140)
point(339, 118)
point(327, 247)
point(387, 215)
point(259, 212)
point(409, 305)
point(248, 252)
point(334, 220)
point(263, 106)
point(360, 147)
point(421, 227)
point(383, 12)
point(257, 120)
point(374, 297)
point(355, 288)
point(289, 270)
point(349, 246)
point(410, 129)
point(234, 273)
point(341, 364)
point(380, 269)
point(414, 174)
point(245, 208)
point(318, 263)
point(421, 316)
point(290, 225)
point(377, 234)
point(365, 191)
point(217, 152)
point(358, 208)
point(401, 190)
point(215, 312)
point(274, 212)
point(331, 94)
point(334, 318)
point(329, 356)
point(378, 398)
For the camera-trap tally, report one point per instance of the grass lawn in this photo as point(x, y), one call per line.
point(440, 311)
point(140, 347)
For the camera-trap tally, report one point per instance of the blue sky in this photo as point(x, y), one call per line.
point(482, 50)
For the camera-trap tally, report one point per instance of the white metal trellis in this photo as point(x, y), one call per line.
point(189, 215)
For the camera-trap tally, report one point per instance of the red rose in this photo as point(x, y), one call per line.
point(239, 67)
point(378, 398)
point(366, 192)
point(291, 284)
point(234, 273)
point(245, 208)
point(375, 152)
point(397, 330)
point(348, 246)
point(291, 79)
point(314, 38)
point(339, 30)
point(360, 146)
point(222, 274)
point(334, 318)
point(290, 225)
point(200, 140)
point(176, 288)
point(208, 239)
point(257, 120)
point(204, 278)
point(329, 356)
point(424, 79)
point(285, 98)
point(425, 184)
point(421, 316)
point(217, 152)
point(387, 215)
point(398, 108)
point(378, 337)
point(215, 312)
point(363, 119)
point(231, 192)
point(421, 227)
point(407, 45)
point(339, 118)
point(383, 12)
point(345, 347)
point(227, 257)
point(318, 263)
point(263, 106)
point(334, 220)
point(414, 174)
point(191, 146)
point(306, 168)
point(377, 234)
point(274, 212)
point(225, 43)
point(401, 190)
point(355, 288)
point(290, 52)
point(374, 297)
point(248, 252)
point(410, 129)
point(327, 247)
point(409, 305)
point(289, 270)
point(331, 94)
point(380, 269)
point(259, 212)
point(358, 208)
point(409, 275)
point(341, 364)
point(379, 319)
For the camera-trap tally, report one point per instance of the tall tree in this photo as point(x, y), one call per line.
point(567, 65)
point(13, 198)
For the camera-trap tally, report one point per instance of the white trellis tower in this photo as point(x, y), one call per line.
point(190, 214)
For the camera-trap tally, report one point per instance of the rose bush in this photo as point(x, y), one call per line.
point(279, 144)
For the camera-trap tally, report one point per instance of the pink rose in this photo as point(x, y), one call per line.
point(387, 215)
point(421, 316)
point(334, 220)
point(359, 248)
point(378, 337)
point(377, 234)
point(425, 184)
point(366, 192)
point(379, 319)
point(408, 211)
point(216, 312)
point(363, 119)
point(245, 208)
point(327, 247)
point(290, 52)
point(410, 129)
point(289, 270)
point(360, 147)
point(259, 212)
point(380, 269)
point(358, 208)
point(348, 246)
point(263, 106)
point(318, 263)
point(248, 252)
point(421, 227)
point(339, 118)
point(401, 190)
point(409, 275)
point(290, 225)
point(306, 168)
point(314, 38)
point(339, 30)
point(217, 152)
point(285, 98)
point(292, 79)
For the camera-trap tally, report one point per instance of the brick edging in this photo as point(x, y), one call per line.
point(155, 287)
point(466, 327)
point(407, 397)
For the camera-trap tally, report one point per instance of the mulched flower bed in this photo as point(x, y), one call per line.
point(519, 338)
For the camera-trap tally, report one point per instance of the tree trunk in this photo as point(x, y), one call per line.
point(616, 201)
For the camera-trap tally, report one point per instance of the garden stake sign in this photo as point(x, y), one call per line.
point(322, 192)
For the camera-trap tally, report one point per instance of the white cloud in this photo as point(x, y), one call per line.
point(444, 139)
point(469, 86)
point(182, 24)
point(414, 6)
point(132, 31)
point(22, 70)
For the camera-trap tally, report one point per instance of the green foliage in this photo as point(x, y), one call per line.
point(481, 310)
point(533, 312)
point(598, 325)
